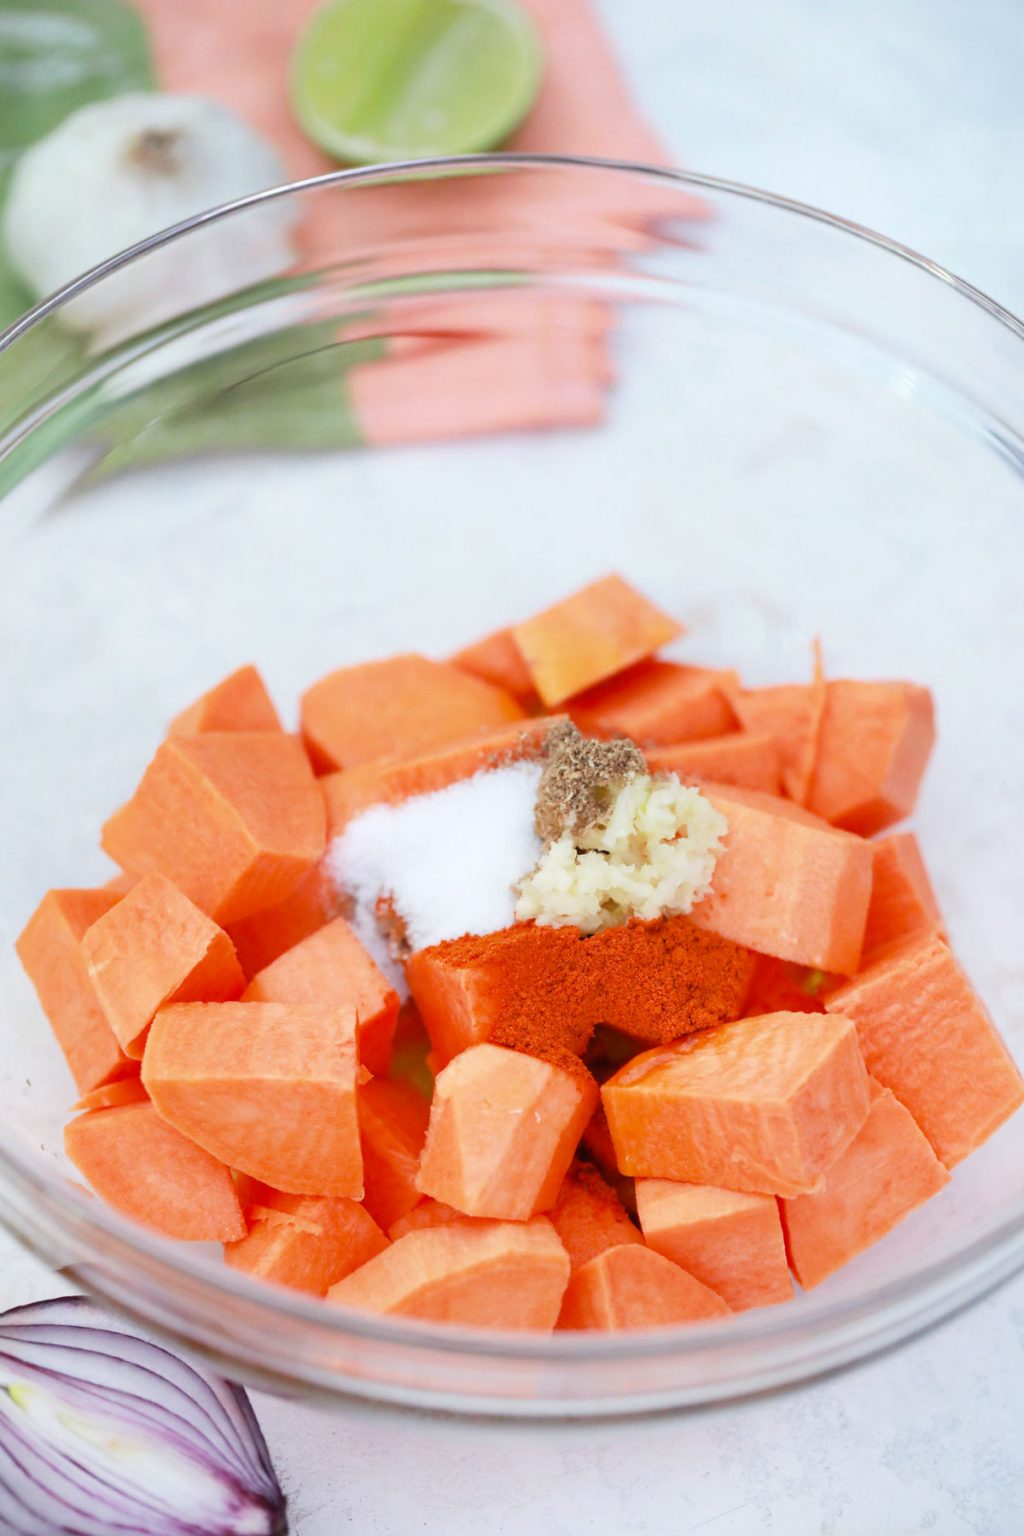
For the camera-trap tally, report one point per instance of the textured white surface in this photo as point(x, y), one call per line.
point(907, 118)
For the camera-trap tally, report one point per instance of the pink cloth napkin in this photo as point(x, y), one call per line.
point(468, 367)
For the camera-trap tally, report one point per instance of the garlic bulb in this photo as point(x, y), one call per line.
point(119, 170)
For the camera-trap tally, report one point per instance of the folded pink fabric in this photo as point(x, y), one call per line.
point(512, 373)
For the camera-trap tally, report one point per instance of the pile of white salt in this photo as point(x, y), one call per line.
point(445, 862)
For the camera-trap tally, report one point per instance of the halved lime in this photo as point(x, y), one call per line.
point(377, 80)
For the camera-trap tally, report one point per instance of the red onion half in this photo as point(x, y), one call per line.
point(104, 1433)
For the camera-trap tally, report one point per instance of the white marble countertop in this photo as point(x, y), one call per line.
point(905, 117)
point(908, 118)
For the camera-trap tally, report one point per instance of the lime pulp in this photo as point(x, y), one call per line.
point(376, 80)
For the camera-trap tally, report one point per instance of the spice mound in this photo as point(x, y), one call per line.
point(620, 843)
point(580, 780)
point(439, 865)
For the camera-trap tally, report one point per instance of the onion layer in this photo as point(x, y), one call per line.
point(103, 1432)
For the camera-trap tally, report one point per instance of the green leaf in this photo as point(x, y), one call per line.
point(15, 298)
point(57, 56)
point(234, 404)
point(43, 361)
point(286, 390)
point(250, 400)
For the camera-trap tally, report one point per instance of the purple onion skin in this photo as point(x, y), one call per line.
point(104, 1433)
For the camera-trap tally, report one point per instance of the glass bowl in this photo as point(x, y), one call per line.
point(482, 383)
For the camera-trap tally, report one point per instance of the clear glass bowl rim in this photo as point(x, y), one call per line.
point(929, 1294)
point(694, 180)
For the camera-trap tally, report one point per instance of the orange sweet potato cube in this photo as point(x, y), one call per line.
point(597, 1145)
point(729, 1240)
point(787, 884)
point(887, 1171)
point(120, 884)
point(157, 947)
point(393, 1121)
point(741, 1106)
point(306, 1242)
point(50, 951)
point(873, 748)
point(352, 791)
point(658, 703)
point(498, 661)
point(748, 759)
point(464, 987)
point(426, 1213)
point(260, 939)
point(482, 1274)
point(634, 1287)
point(503, 1130)
point(589, 1217)
point(268, 1088)
point(902, 899)
point(401, 707)
point(927, 1035)
point(779, 986)
point(150, 1172)
point(234, 818)
point(791, 713)
point(598, 631)
point(123, 1090)
point(332, 966)
point(238, 703)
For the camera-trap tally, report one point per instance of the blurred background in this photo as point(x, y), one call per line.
point(905, 117)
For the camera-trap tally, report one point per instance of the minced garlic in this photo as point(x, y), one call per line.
point(652, 854)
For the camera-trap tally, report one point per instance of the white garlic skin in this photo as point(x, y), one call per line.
point(118, 171)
